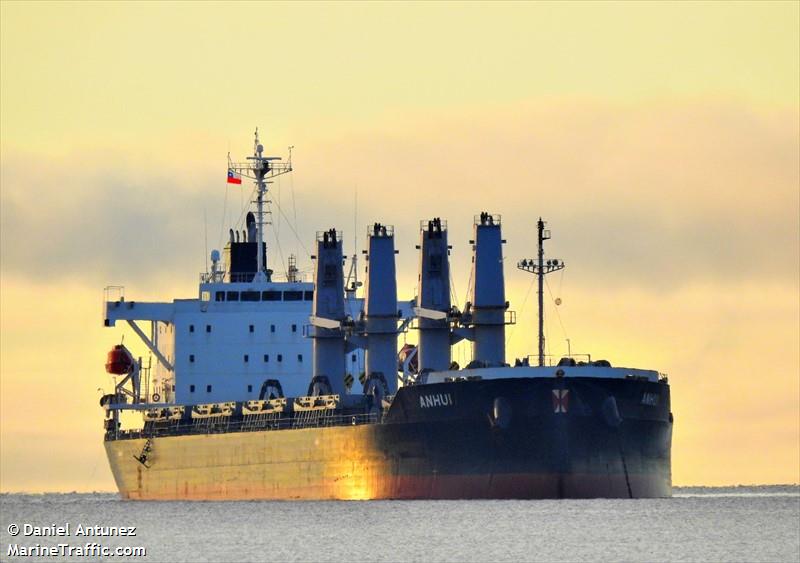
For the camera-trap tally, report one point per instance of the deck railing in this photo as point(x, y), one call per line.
point(249, 423)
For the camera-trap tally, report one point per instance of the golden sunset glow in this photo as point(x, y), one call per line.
point(661, 142)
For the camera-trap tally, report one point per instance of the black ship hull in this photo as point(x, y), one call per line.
point(531, 438)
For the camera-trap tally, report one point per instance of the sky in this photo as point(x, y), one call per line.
point(661, 142)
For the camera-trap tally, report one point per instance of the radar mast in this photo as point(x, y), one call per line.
point(261, 169)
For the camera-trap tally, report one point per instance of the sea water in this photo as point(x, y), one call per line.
point(697, 524)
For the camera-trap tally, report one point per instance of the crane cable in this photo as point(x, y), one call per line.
point(278, 244)
point(512, 330)
point(294, 231)
point(294, 206)
point(558, 315)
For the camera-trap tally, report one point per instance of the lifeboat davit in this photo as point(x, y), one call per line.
point(119, 361)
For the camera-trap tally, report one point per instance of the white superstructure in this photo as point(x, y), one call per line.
point(228, 342)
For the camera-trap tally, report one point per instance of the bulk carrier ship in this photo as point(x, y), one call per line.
point(291, 389)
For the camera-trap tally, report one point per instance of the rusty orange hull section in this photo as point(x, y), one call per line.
point(304, 464)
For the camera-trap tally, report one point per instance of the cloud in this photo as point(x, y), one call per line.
point(656, 195)
point(653, 196)
point(71, 219)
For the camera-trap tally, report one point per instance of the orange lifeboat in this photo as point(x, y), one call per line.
point(119, 361)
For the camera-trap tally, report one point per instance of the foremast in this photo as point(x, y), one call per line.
point(540, 268)
point(262, 169)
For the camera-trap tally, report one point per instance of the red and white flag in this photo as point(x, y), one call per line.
point(233, 177)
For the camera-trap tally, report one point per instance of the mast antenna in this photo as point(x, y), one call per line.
point(262, 169)
point(205, 235)
point(540, 268)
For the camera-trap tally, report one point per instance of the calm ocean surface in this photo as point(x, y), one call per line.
point(698, 524)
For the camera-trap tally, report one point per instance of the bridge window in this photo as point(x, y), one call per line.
point(292, 295)
point(191, 358)
point(191, 328)
point(300, 358)
point(246, 358)
point(353, 358)
point(266, 357)
point(280, 357)
point(272, 328)
point(219, 296)
point(249, 388)
point(191, 388)
point(252, 328)
point(208, 328)
point(232, 296)
point(294, 328)
point(251, 296)
point(309, 295)
point(271, 296)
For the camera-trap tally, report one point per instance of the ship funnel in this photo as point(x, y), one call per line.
point(488, 292)
point(433, 296)
point(380, 308)
point(327, 314)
